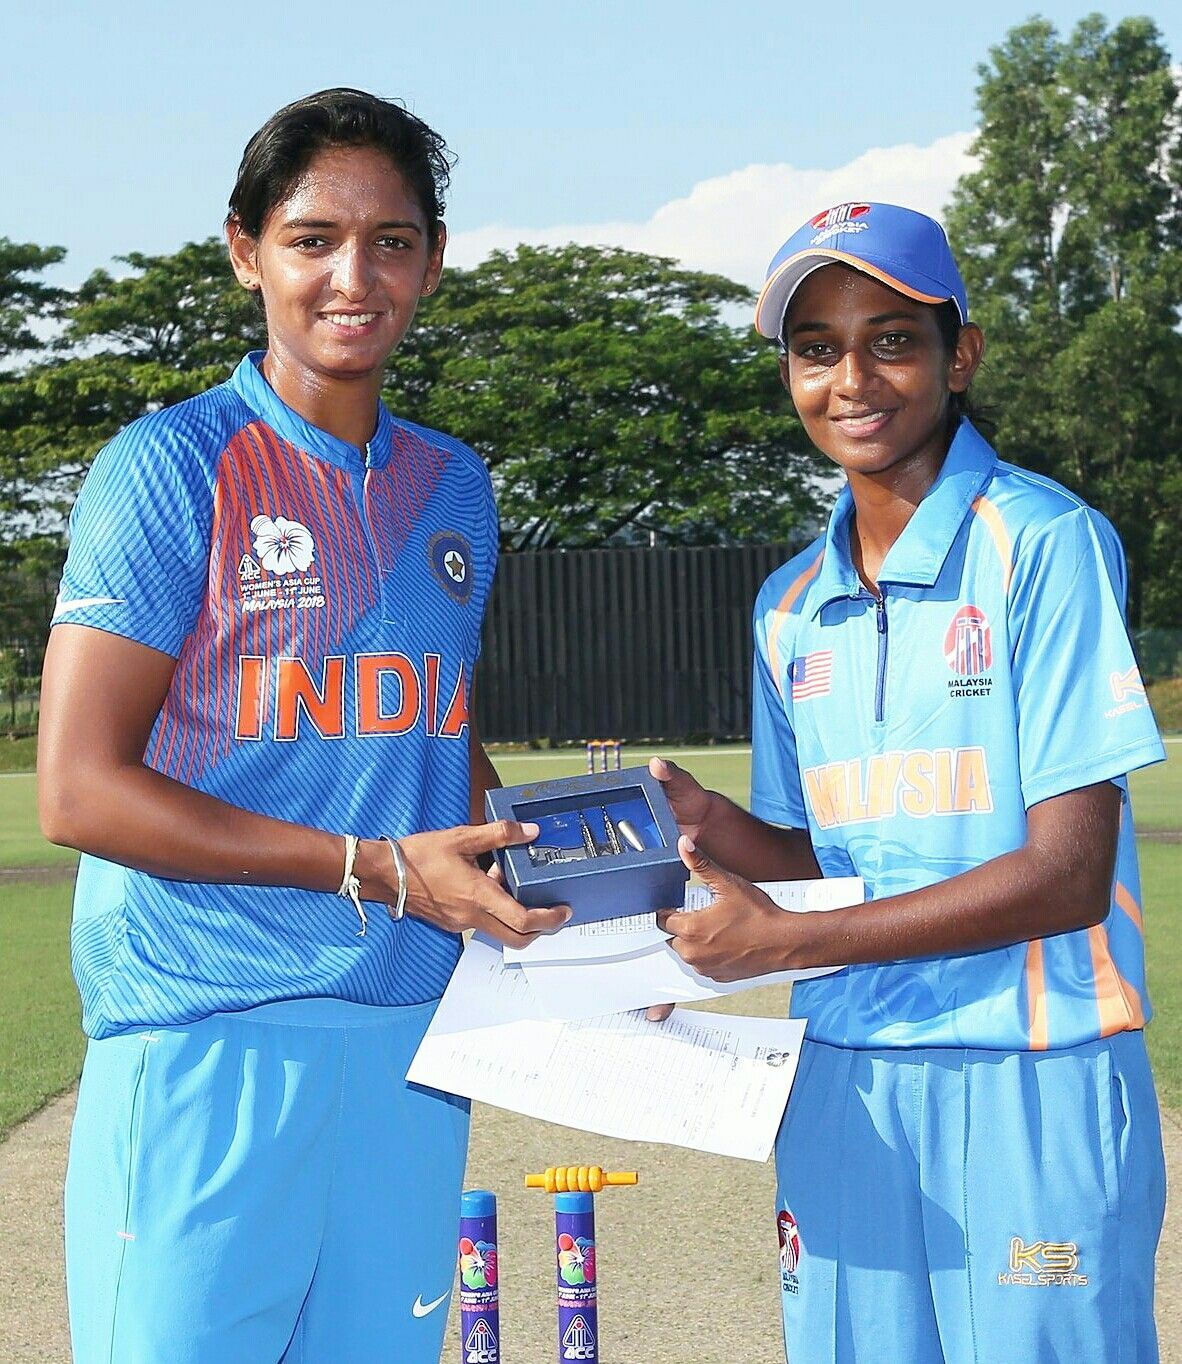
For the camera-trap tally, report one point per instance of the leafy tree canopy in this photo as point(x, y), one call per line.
point(1069, 233)
point(612, 398)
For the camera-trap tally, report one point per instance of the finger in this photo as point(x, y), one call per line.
point(495, 874)
point(697, 861)
point(497, 903)
point(658, 1013)
point(662, 768)
point(501, 833)
point(676, 921)
point(499, 932)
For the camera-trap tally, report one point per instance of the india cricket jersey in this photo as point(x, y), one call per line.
point(910, 735)
point(323, 605)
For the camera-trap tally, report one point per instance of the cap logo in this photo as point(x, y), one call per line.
point(841, 218)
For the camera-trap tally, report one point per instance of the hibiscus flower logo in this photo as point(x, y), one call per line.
point(282, 546)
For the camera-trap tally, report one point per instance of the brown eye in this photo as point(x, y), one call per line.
point(893, 341)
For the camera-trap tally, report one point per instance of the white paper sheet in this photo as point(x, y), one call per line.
point(599, 941)
point(707, 1081)
point(655, 974)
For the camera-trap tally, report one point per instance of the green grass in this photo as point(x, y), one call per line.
point(1157, 793)
point(1161, 884)
point(21, 844)
point(41, 1043)
point(18, 755)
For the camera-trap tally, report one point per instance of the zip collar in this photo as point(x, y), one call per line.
point(917, 556)
point(250, 385)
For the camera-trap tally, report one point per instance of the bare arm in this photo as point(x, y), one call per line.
point(1058, 881)
point(100, 698)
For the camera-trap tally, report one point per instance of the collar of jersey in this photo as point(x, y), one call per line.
point(917, 556)
point(248, 382)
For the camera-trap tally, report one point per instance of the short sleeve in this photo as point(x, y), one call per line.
point(138, 561)
point(776, 793)
point(1082, 712)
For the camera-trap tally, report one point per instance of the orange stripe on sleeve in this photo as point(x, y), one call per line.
point(1126, 902)
point(1118, 1003)
point(1001, 537)
point(1036, 996)
point(787, 602)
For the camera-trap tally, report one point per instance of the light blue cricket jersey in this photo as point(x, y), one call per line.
point(323, 605)
point(911, 737)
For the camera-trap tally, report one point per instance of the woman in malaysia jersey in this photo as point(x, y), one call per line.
point(256, 699)
point(946, 705)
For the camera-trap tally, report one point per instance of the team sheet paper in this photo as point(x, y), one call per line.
point(577, 974)
point(707, 1081)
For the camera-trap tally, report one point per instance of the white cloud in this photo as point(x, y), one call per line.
point(733, 224)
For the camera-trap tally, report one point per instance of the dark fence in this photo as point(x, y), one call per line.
point(622, 643)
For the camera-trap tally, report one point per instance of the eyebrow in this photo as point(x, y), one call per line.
point(307, 223)
point(904, 314)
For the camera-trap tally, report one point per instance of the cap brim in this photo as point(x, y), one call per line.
point(787, 277)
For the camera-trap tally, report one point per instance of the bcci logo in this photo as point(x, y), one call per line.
point(450, 557)
point(788, 1234)
point(481, 1345)
point(841, 218)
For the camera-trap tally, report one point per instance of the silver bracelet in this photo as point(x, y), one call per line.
point(350, 888)
point(398, 909)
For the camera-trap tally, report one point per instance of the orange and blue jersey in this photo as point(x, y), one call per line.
point(323, 604)
point(911, 733)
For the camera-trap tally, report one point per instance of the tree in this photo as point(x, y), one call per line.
point(171, 327)
point(1069, 233)
point(611, 398)
point(24, 300)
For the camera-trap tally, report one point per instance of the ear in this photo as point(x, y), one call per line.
point(970, 347)
point(243, 255)
point(435, 263)
point(784, 371)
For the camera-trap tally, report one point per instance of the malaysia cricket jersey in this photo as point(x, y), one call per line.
point(910, 735)
point(323, 605)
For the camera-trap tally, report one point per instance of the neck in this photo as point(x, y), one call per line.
point(883, 505)
point(344, 407)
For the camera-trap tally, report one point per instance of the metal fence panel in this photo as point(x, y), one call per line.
point(622, 643)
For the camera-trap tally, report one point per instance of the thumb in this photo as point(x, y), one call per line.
point(697, 861)
point(501, 833)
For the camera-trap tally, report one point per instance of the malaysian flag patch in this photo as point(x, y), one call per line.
point(811, 675)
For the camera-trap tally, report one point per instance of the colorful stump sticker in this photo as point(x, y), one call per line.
point(578, 1318)
point(480, 1303)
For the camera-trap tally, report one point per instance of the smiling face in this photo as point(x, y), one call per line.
point(870, 376)
point(342, 262)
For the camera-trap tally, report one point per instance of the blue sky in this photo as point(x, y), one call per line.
point(702, 130)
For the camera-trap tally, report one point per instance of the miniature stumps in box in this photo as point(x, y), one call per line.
point(608, 845)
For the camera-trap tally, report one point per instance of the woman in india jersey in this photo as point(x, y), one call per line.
point(257, 727)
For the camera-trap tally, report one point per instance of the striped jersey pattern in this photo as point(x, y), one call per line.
point(323, 667)
point(998, 674)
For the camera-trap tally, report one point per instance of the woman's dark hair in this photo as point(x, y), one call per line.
point(279, 153)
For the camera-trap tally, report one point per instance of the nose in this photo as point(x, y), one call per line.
point(352, 274)
point(852, 376)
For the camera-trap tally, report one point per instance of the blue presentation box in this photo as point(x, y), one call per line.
point(607, 847)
